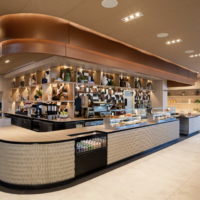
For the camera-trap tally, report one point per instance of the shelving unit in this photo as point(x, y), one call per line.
point(57, 72)
point(182, 101)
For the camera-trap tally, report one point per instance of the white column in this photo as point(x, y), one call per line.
point(159, 96)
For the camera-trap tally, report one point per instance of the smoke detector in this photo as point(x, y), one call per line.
point(109, 3)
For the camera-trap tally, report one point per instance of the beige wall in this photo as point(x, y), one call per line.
point(5, 86)
point(159, 96)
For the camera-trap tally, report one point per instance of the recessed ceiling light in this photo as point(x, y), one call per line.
point(109, 3)
point(174, 41)
point(133, 16)
point(7, 61)
point(189, 51)
point(196, 55)
point(162, 35)
point(137, 14)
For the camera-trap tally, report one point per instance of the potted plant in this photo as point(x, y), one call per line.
point(110, 83)
point(39, 93)
point(82, 78)
point(67, 74)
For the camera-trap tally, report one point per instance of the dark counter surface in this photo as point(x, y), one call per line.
point(77, 119)
point(22, 135)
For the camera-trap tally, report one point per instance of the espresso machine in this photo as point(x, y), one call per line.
point(40, 110)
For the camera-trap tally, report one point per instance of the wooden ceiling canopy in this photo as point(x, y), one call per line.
point(36, 33)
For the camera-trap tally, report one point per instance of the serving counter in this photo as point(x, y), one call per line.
point(189, 124)
point(32, 159)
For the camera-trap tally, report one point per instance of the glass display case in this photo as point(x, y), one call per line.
point(161, 114)
point(124, 118)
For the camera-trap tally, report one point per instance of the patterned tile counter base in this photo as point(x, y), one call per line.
point(36, 164)
point(124, 144)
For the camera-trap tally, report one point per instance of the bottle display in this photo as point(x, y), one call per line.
point(90, 144)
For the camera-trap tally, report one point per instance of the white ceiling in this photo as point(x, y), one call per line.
point(178, 18)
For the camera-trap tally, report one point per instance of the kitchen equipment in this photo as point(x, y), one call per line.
point(78, 104)
point(49, 109)
point(76, 113)
point(54, 109)
point(41, 110)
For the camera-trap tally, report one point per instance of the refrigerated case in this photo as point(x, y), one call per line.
point(161, 114)
point(124, 118)
point(90, 152)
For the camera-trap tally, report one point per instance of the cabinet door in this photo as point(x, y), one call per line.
point(23, 122)
point(69, 125)
point(15, 121)
point(29, 124)
point(19, 121)
point(46, 126)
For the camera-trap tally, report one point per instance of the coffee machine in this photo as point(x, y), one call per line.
point(40, 110)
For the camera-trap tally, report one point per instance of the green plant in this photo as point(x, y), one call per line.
point(28, 91)
point(69, 71)
point(197, 101)
point(39, 92)
point(110, 83)
point(81, 77)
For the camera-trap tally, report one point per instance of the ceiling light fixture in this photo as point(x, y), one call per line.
point(196, 55)
point(189, 51)
point(7, 61)
point(162, 35)
point(174, 41)
point(109, 3)
point(131, 17)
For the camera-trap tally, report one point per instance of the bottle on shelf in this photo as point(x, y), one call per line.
point(90, 144)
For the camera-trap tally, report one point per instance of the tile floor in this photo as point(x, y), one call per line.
point(172, 173)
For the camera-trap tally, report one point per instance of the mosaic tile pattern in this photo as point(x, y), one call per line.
point(36, 164)
point(124, 144)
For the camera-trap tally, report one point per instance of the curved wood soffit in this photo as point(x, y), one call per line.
point(35, 33)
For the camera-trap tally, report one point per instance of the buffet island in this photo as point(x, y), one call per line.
point(189, 123)
point(32, 159)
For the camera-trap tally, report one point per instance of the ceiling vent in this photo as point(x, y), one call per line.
point(109, 3)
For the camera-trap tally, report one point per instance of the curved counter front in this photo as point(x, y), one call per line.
point(32, 159)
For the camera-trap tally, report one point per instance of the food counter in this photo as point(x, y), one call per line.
point(45, 125)
point(30, 159)
point(189, 124)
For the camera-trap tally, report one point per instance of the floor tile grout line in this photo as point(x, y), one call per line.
point(111, 191)
point(183, 184)
point(192, 177)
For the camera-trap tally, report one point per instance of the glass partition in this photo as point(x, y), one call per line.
point(124, 118)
